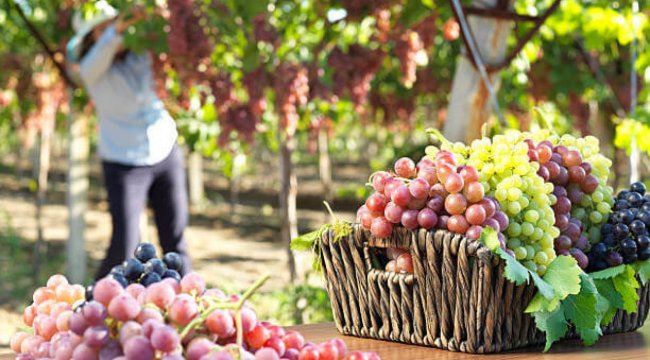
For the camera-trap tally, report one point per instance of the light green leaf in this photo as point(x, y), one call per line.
point(305, 242)
point(643, 269)
point(514, 270)
point(563, 274)
point(543, 287)
point(553, 324)
point(626, 285)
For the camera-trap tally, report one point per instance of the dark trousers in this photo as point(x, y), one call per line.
point(128, 189)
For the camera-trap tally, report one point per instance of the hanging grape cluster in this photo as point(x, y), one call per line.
point(188, 43)
point(291, 85)
point(353, 72)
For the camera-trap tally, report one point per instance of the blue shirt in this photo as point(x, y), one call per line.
point(134, 126)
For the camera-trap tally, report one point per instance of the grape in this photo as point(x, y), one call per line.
point(474, 192)
point(428, 175)
point(577, 174)
point(590, 184)
point(221, 324)
point(139, 347)
point(475, 214)
point(123, 307)
point(144, 252)
point(437, 204)
point(455, 204)
point(111, 350)
point(405, 167)
point(457, 224)
point(78, 323)
point(613, 258)
point(376, 203)
point(637, 187)
point(96, 336)
point(454, 183)
point(427, 218)
point(85, 352)
point(493, 223)
point(390, 187)
point(562, 206)
point(489, 206)
point(94, 313)
point(553, 169)
point(563, 242)
point(293, 340)
point(183, 309)
point(474, 232)
point(379, 180)
point(419, 188)
point(393, 213)
point(129, 329)
point(150, 278)
point(173, 274)
point(404, 263)
point(155, 265)
point(469, 174)
point(160, 294)
point(192, 283)
point(572, 231)
point(381, 227)
point(444, 170)
point(165, 338)
point(410, 219)
point(401, 196)
point(544, 173)
point(135, 290)
point(133, 269)
point(364, 217)
point(173, 261)
point(257, 337)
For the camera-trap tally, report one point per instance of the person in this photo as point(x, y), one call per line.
point(137, 136)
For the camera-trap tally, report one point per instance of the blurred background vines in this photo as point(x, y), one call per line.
point(281, 102)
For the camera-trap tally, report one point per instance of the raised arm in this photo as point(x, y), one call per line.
point(101, 55)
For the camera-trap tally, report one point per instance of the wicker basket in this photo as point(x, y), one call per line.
point(456, 299)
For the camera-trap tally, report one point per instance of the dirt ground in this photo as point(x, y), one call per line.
point(230, 251)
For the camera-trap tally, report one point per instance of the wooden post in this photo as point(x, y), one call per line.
point(44, 149)
point(469, 105)
point(195, 177)
point(77, 194)
point(325, 165)
point(288, 192)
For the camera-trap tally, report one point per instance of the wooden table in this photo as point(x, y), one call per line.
point(635, 345)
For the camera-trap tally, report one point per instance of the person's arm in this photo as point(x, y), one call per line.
point(100, 57)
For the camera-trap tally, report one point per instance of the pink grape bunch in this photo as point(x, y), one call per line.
point(572, 181)
point(434, 194)
point(399, 260)
point(167, 320)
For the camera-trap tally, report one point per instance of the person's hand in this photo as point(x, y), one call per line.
point(136, 14)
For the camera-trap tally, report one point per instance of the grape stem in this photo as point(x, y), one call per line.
point(329, 210)
point(438, 135)
point(545, 122)
point(227, 306)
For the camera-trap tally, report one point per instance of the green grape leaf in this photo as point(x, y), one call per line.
point(543, 287)
point(514, 270)
point(585, 311)
point(614, 300)
point(563, 274)
point(626, 285)
point(643, 270)
point(608, 273)
point(306, 241)
point(553, 323)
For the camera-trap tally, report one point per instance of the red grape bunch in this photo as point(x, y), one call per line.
point(411, 53)
point(353, 72)
point(572, 179)
point(188, 42)
point(399, 260)
point(432, 195)
point(291, 85)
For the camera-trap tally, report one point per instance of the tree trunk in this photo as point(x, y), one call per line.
point(469, 106)
point(77, 194)
point(195, 177)
point(288, 192)
point(41, 192)
point(325, 165)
